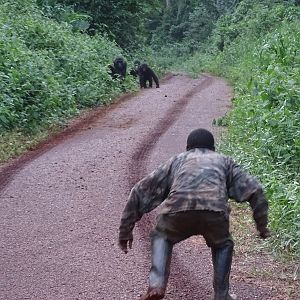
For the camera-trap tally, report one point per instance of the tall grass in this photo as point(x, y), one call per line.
point(264, 129)
point(261, 58)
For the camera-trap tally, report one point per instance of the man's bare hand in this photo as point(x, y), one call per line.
point(124, 244)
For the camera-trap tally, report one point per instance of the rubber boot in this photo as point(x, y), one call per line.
point(160, 269)
point(222, 258)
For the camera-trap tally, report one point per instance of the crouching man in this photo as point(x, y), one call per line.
point(192, 189)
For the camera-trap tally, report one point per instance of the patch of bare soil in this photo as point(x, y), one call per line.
point(60, 206)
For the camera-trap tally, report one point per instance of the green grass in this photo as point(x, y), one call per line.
point(263, 65)
point(15, 143)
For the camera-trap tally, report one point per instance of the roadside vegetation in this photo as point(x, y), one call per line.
point(53, 64)
point(257, 49)
point(49, 71)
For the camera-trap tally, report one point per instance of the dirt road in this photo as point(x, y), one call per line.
point(60, 206)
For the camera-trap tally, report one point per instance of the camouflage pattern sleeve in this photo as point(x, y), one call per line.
point(145, 196)
point(243, 187)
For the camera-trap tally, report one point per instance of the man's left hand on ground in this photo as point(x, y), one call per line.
point(124, 244)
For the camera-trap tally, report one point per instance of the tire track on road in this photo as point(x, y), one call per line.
point(139, 164)
point(9, 170)
point(138, 160)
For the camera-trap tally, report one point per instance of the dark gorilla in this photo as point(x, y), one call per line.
point(118, 68)
point(145, 74)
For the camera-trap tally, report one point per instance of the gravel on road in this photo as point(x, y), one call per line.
point(60, 205)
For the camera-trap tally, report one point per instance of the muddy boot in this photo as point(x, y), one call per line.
point(222, 258)
point(160, 269)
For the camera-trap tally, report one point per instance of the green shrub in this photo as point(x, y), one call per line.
point(264, 127)
point(257, 49)
point(48, 72)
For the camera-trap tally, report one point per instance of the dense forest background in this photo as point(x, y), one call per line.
point(54, 57)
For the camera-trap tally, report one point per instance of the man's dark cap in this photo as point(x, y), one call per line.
point(200, 138)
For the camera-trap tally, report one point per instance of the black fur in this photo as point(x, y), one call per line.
point(145, 74)
point(118, 68)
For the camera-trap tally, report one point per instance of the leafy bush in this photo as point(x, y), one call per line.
point(123, 21)
point(48, 72)
point(264, 128)
point(252, 18)
point(273, 123)
point(257, 49)
point(183, 26)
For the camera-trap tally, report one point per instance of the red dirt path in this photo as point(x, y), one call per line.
point(60, 204)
